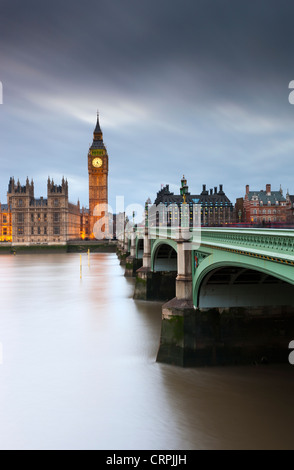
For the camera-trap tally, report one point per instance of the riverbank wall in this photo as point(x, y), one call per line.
point(103, 246)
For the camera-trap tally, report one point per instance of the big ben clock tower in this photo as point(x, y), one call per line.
point(98, 178)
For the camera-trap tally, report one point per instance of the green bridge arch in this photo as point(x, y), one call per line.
point(139, 247)
point(221, 259)
point(156, 244)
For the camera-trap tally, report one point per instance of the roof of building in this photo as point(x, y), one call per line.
point(97, 128)
point(265, 197)
point(219, 198)
point(97, 144)
point(4, 207)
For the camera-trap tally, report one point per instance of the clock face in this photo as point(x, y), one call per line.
point(97, 162)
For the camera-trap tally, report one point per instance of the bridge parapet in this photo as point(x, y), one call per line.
point(268, 243)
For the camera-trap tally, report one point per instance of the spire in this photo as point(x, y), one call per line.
point(97, 131)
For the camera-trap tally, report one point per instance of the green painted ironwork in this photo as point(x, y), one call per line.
point(155, 244)
point(267, 250)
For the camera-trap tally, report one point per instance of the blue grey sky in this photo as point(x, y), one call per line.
point(194, 87)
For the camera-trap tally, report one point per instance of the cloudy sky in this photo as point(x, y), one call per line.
point(194, 87)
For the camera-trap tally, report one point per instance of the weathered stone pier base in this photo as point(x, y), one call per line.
point(122, 255)
point(154, 286)
point(132, 265)
point(224, 336)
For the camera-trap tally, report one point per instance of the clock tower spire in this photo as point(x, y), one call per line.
point(98, 179)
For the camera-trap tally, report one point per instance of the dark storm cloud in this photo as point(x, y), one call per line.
point(207, 77)
point(221, 40)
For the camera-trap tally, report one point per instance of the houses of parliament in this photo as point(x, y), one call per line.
point(26, 220)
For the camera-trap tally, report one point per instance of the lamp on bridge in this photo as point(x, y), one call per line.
point(184, 208)
point(184, 189)
point(147, 203)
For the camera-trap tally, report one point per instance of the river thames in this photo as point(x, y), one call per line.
point(78, 370)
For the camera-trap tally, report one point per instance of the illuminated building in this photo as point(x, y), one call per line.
point(31, 221)
point(5, 223)
point(54, 220)
point(98, 179)
point(85, 224)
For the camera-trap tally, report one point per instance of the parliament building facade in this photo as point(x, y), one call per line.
point(26, 220)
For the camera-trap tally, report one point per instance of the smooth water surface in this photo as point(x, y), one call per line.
point(79, 370)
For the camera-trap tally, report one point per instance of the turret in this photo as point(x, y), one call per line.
point(11, 185)
point(17, 188)
point(57, 189)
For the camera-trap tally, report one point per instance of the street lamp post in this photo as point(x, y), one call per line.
point(185, 210)
point(184, 189)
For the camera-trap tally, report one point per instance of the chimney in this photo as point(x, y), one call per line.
point(210, 192)
point(268, 189)
point(220, 188)
point(204, 187)
point(215, 190)
point(247, 188)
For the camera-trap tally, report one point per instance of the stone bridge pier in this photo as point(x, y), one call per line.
point(159, 281)
point(155, 279)
point(133, 263)
point(178, 326)
point(122, 248)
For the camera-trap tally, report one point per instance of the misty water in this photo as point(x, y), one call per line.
point(79, 370)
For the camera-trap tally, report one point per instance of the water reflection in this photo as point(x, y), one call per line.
point(79, 370)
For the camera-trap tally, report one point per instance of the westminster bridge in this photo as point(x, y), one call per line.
point(229, 292)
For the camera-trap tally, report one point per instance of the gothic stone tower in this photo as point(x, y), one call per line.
point(98, 178)
point(19, 199)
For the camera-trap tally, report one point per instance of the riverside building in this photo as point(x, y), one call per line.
point(54, 220)
point(214, 206)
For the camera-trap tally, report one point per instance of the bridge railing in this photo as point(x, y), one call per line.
point(271, 242)
point(161, 232)
point(267, 242)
